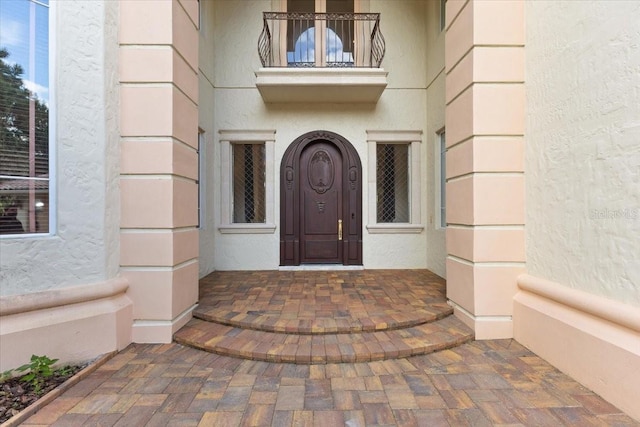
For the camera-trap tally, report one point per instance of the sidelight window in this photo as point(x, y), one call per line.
point(247, 178)
point(392, 178)
point(249, 183)
point(394, 193)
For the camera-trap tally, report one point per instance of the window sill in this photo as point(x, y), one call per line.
point(247, 229)
point(321, 85)
point(392, 228)
point(23, 236)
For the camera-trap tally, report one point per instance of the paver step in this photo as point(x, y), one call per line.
point(315, 317)
point(363, 346)
point(342, 322)
point(323, 302)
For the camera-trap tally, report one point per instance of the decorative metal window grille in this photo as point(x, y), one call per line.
point(392, 177)
point(249, 201)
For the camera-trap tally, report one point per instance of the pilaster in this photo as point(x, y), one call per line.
point(485, 99)
point(159, 163)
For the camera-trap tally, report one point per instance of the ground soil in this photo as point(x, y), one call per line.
point(16, 395)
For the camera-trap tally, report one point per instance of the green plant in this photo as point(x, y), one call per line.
point(39, 370)
point(6, 375)
point(65, 371)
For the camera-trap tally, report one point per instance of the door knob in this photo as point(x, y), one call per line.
point(339, 229)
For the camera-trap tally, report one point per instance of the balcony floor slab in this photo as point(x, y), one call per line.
point(321, 85)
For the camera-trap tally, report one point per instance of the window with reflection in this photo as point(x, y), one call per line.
point(24, 117)
point(314, 42)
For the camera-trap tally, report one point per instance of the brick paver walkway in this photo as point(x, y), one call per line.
point(325, 317)
point(476, 384)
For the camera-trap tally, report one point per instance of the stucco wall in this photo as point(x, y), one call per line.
point(436, 244)
point(582, 150)
point(239, 106)
point(206, 61)
point(85, 247)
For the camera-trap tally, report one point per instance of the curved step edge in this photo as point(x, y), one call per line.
point(319, 327)
point(304, 349)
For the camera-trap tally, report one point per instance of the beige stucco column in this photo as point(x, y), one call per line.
point(484, 61)
point(159, 165)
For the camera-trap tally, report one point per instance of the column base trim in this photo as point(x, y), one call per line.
point(593, 339)
point(160, 331)
point(13, 304)
point(485, 327)
point(73, 324)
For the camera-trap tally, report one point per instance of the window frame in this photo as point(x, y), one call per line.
point(412, 138)
point(201, 179)
point(227, 138)
point(248, 163)
point(441, 179)
point(401, 200)
point(52, 176)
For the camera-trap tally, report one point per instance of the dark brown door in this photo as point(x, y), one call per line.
point(320, 185)
point(320, 204)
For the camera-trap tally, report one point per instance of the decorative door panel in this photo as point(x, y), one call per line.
point(321, 203)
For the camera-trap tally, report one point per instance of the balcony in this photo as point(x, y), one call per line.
point(321, 57)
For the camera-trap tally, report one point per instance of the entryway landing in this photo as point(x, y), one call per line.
point(313, 317)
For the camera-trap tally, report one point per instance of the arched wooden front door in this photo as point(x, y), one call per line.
point(320, 201)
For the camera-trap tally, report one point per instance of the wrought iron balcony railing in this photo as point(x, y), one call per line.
point(295, 39)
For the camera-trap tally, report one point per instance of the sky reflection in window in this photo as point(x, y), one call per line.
point(304, 49)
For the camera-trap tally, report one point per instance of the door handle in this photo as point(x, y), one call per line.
point(339, 229)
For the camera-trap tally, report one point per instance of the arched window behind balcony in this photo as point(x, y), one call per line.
point(335, 36)
point(304, 50)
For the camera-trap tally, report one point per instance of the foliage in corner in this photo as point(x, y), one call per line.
point(6, 375)
point(40, 368)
